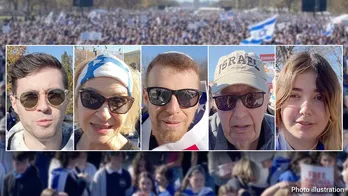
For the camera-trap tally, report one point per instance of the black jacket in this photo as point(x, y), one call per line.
point(28, 184)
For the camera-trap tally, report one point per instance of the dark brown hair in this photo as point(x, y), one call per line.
point(33, 63)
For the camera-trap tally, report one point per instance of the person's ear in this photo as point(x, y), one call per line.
point(146, 97)
point(14, 103)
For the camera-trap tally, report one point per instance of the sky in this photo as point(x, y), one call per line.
point(198, 53)
point(56, 51)
point(215, 52)
point(328, 53)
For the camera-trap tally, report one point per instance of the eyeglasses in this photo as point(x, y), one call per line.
point(117, 104)
point(161, 96)
point(30, 99)
point(250, 100)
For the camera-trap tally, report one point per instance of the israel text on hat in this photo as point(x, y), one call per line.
point(241, 59)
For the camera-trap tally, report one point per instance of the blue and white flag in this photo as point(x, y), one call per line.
point(262, 31)
point(48, 19)
point(226, 15)
point(329, 29)
point(61, 18)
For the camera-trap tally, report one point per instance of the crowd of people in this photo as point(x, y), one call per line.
point(168, 27)
point(161, 173)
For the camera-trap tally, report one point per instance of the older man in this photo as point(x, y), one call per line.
point(241, 95)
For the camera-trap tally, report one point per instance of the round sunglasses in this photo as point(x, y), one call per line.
point(160, 96)
point(117, 104)
point(54, 97)
point(250, 100)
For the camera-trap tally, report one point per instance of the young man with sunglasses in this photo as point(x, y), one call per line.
point(39, 97)
point(241, 95)
point(171, 97)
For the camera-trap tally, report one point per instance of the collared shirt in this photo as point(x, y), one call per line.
point(15, 138)
point(109, 170)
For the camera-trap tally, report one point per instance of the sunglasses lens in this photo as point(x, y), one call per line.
point(188, 98)
point(120, 105)
point(159, 96)
point(253, 100)
point(91, 100)
point(56, 97)
point(225, 103)
point(29, 99)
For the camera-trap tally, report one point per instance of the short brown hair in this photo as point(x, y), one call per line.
point(33, 63)
point(178, 61)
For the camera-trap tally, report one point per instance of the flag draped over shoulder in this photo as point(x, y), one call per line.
point(262, 31)
point(195, 139)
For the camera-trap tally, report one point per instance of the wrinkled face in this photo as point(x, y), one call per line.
point(145, 185)
point(242, 125)
point(303, 114)
point(197, 181)
point(43, 121)
point(171, 121)
point(21, 166)
point(101, 125)
point(327, 161)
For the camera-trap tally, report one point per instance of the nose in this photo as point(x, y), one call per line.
point(103, 113)
point(239, 110)
point(173, 106)
point(42, 104)
point(306, 108)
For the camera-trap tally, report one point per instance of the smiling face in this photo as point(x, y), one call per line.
point(242, 125)
point(101, 125)
point(171, 121)
point(303, 115)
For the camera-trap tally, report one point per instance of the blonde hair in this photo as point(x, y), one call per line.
point(224, 189)
point(132, 115)
point(245, 169)
point(327, 84)
point(49, 192)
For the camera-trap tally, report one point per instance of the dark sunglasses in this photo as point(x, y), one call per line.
point(117, 104)
point(250, 100)
point(30, 99)
point(161, 96)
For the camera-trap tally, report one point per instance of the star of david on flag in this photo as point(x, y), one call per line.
point(262, 31)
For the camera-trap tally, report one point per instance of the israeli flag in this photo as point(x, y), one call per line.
point(262, 31)
point(329, 29)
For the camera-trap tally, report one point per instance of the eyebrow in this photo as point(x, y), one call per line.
point(301, 90)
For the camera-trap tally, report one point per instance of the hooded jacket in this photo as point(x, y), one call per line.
point(15, 139)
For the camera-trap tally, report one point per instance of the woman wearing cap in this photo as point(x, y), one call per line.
point(309, 105)
point(106, 104)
